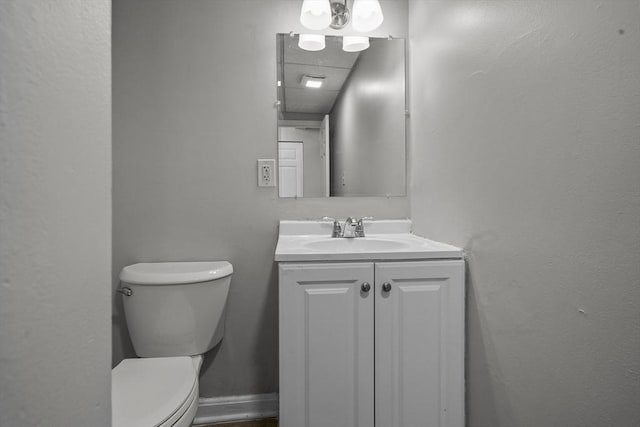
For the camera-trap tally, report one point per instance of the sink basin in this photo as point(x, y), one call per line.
point(356, 244)
point(386, 240)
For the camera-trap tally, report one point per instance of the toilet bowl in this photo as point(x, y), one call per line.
point(157, 392)
point(175, 312)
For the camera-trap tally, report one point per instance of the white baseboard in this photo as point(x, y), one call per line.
point(236, 408)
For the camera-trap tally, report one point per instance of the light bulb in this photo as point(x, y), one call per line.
point(367, 15)
point(311, 42)
point(315, 14)
point(354, 43)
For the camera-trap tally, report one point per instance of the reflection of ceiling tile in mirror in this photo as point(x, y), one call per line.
point(332, 63)
point(331, 56)
point(297, 102)
point(333, 77)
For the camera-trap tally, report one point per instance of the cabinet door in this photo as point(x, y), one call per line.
point(419, 340)
point(326, 345)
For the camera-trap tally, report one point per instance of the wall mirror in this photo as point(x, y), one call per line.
point(341, 119)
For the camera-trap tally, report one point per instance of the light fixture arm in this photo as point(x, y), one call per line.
point(340, 14)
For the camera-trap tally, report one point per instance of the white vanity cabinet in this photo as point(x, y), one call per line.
point(392, 356)
point(326, 345)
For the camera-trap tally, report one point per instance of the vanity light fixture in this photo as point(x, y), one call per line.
point(311, 42)
point(320, 14)
point(314, 82)
point(354, 43)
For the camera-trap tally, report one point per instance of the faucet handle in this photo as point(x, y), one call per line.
point(337, 229)
point(360, 226)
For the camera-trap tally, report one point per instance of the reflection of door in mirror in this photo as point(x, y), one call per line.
point(303, 146)
point(290, 168)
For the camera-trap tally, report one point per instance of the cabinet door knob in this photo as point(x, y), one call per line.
point(365, 287)
point(386, 287)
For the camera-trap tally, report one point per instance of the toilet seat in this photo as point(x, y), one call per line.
point(154, 392)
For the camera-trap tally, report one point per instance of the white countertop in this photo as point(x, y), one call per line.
point(385, 240)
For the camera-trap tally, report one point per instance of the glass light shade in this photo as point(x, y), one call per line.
point(311, 42)
point(315, 14)
point(367, 15)
point(354, 43)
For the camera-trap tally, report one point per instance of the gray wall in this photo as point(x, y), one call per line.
point(368, 125)
point(313, 162)
point(55, 213)
point(194, 107)
point(526, 152)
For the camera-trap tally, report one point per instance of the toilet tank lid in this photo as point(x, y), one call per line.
point(175, 273)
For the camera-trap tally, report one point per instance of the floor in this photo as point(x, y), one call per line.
point(272, 422)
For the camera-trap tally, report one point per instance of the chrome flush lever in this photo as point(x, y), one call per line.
point(125, 291)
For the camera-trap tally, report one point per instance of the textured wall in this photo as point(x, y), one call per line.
point(55, 213)
point(368, 124)
point(194, 107)
point(526, 151)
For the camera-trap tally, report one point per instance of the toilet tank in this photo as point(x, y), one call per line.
point(176, 308)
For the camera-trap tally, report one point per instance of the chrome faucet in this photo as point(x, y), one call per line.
point(352, 227)
point(349, 230)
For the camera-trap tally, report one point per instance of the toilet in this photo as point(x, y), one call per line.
point(175, 312)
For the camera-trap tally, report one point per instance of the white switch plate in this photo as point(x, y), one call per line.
point(266, 173)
